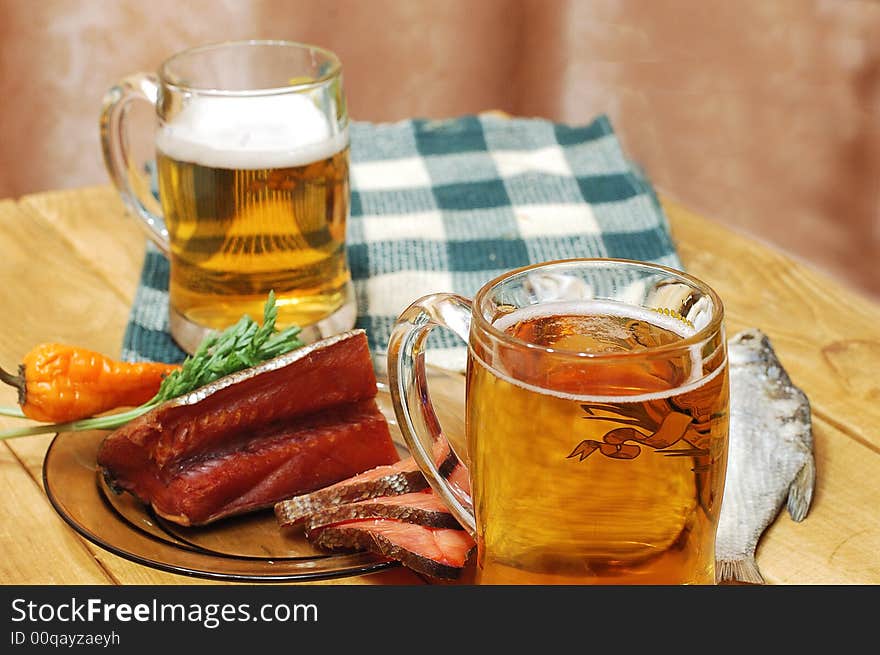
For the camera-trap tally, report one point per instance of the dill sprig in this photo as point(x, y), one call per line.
point(236, 348)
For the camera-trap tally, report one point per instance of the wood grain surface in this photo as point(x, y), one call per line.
point(69, 268)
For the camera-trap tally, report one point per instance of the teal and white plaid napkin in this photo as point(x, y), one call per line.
point(448, 205)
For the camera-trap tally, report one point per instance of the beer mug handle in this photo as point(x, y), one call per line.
point(131, 183)
point(408, 383)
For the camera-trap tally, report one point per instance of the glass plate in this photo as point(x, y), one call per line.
point(249, 548)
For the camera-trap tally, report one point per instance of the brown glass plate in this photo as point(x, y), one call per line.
point(250, 548)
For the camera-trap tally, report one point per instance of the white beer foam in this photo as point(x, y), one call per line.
point(250, 132)
point(593, 307)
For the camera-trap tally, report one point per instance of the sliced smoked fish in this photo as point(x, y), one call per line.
point(403, 477)
point(296, 423)
point(435, 552)
point(422, 507)
point(399, 478)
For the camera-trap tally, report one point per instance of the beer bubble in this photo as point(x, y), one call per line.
point(591, 314)
point(250, 132)
point(597, 308)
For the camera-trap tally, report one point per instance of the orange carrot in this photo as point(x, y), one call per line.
point(61, 383)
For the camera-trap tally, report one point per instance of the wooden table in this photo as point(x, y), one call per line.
point(69, 265)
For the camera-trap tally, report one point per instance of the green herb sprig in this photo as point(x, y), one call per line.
point(236, 348)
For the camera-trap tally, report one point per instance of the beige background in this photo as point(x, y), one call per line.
point(762, 114)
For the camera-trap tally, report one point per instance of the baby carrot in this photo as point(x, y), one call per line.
point(61, 383)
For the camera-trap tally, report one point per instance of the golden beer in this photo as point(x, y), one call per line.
point(253, 162)
point(237, 233)
point(606, 470)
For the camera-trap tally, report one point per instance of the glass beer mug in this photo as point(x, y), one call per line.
point(596, 422)
point(252, 159)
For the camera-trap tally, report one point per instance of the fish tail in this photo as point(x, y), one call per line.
point(742, 570)
point(800, 493)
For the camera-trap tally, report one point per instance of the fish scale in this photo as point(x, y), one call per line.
point(770, 457)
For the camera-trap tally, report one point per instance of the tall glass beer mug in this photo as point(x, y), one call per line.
point(596, 422)
point(252, 158)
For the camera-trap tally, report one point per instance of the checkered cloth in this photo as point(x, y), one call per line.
point(448, 205)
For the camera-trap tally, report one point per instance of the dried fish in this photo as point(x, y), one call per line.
point(770, 455)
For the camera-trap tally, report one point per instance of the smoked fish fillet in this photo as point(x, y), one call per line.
point(293, 424)
point(435, 552)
